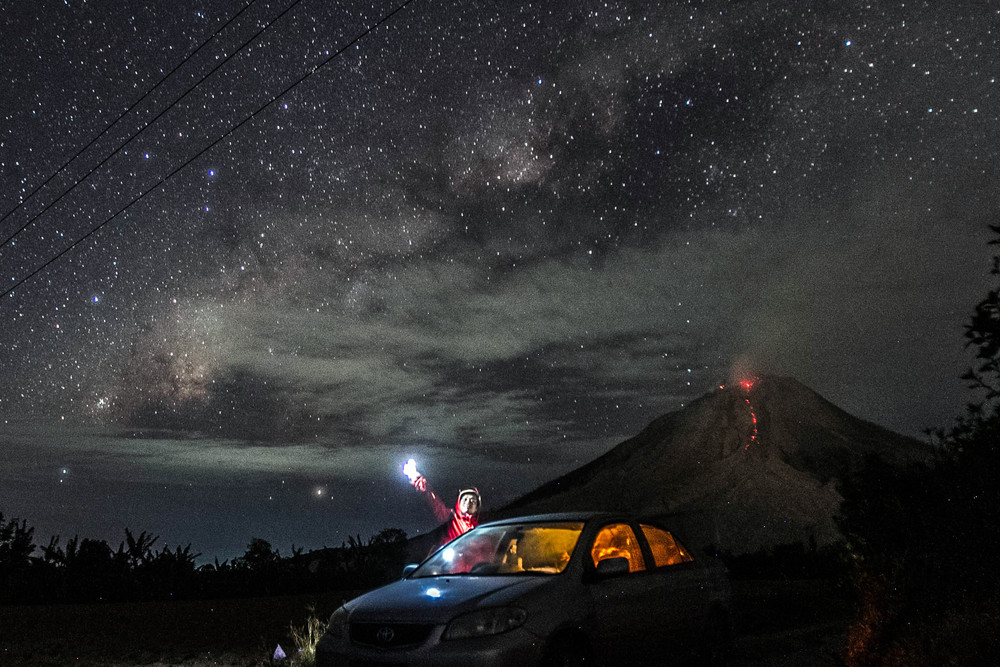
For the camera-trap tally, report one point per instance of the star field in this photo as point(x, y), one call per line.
point(500, 237)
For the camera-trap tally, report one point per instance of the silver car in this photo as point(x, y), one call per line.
point(560, 589)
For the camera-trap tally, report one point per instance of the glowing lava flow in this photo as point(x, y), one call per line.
point(748, 385)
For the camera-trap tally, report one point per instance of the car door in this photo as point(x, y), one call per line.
point(676, 594)
point(619, 625)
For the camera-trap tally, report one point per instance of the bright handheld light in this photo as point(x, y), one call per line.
point(410, 470)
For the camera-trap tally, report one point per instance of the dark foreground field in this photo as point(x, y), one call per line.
point(789, 623)
point(778, 623)
point(205, 632)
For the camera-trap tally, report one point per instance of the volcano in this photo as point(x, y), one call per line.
point(748, 466)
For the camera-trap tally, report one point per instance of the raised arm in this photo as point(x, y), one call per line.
point(441, 511)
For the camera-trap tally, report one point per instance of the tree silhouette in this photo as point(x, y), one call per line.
point(139, 549)
point(259, 556)
point(923, 539)
point(89, 570)
point(983, 333)
point(16, 548)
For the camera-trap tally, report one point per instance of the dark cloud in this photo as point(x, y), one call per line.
point(236, 405)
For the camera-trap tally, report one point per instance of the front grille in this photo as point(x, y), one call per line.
point(390, 635)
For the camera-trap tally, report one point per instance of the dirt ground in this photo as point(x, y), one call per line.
point(786, 623)
point(777, 624)
point(237, 632)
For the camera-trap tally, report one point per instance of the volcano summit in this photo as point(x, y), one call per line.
point(750, 465)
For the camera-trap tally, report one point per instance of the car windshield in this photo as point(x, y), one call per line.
point(515, 549)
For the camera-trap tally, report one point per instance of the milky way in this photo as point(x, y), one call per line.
point(499, 237)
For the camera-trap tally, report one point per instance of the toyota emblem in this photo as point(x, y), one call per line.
point(385, 635)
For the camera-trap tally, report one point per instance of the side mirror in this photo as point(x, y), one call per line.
point(612, 567)
point(409, 568)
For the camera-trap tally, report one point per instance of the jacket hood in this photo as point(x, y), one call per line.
point(458, 501)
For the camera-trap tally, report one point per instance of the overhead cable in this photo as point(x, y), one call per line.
point(149, 122)
point(122, 115)
point(212, 145)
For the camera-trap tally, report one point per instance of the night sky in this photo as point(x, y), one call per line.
point(498, 237)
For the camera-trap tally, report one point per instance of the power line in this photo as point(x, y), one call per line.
point(139, 101)
point(151, 121)
point(212, 145)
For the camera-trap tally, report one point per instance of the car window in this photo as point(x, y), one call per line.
point(534, 548)
point(618, 541)
point(545, 549)
point(666, 549)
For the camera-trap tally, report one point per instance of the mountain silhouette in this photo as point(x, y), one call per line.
point(750, 465)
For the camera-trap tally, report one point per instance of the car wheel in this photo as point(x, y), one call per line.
point(567, 651)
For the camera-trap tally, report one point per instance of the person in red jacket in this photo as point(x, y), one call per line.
point(463, 518)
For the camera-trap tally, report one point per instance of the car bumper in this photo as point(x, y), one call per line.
point(518, 647)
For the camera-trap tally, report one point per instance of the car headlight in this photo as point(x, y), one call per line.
point(338, 623)
point(485, 622)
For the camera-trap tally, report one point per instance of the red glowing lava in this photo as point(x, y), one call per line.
point(748, 385)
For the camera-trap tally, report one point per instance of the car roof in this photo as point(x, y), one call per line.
point(554, 516)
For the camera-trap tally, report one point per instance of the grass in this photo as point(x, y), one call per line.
point(307, 636)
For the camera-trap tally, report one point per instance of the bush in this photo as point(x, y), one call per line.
point(922, 540)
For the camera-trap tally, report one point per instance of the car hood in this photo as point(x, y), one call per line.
point(438, 599)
